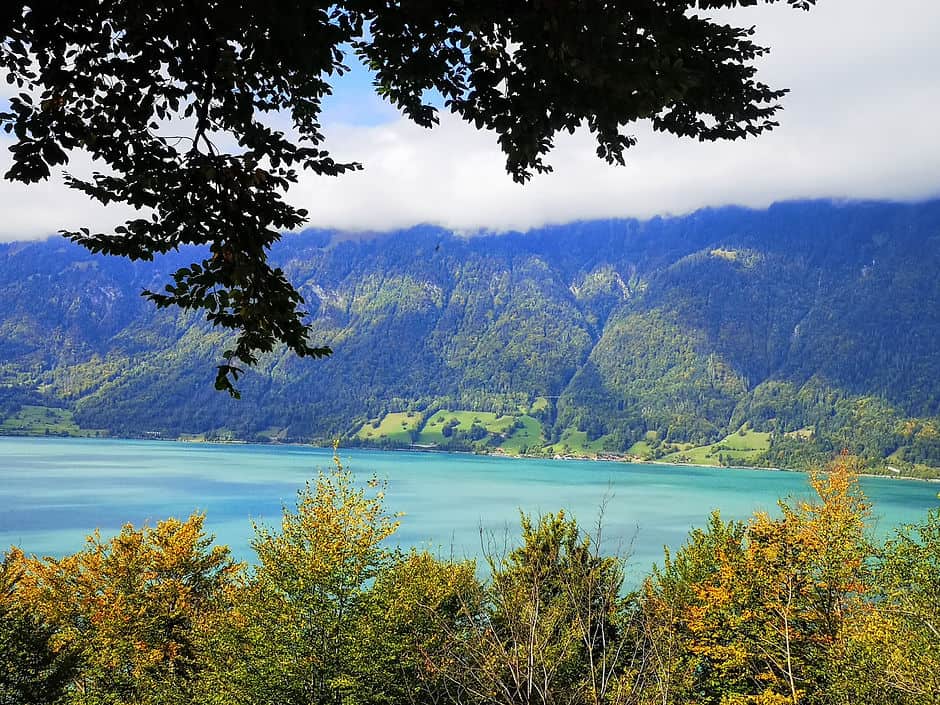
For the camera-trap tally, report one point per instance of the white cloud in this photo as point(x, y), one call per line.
point(42, 209)
point(860, 122)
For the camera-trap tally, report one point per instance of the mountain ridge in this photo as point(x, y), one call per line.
point(661, 336)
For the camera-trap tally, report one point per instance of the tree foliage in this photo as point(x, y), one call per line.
point(174, 102)
point(794, 608)
point(33, 671)
point(667, 332)
point(550, 626)
point(900, 640)
point(294, 636)
point(132, 610)
point(763, 607)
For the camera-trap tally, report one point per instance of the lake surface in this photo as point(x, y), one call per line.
point(53, 492)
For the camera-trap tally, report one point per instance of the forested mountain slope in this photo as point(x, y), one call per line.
point(729, 335)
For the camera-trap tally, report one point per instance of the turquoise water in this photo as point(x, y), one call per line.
point(53, 492)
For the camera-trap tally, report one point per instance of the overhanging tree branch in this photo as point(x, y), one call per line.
point(101, 77)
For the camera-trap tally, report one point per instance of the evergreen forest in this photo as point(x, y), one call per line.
point(774, 337)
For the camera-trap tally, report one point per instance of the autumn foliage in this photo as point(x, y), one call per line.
point(795, 607)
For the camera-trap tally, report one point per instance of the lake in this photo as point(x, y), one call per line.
point(53, 492)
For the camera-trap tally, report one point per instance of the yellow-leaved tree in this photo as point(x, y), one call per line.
point(292, 635)
point(761, 608)
point(32, 670)
point(132, 609)
point(897, 640)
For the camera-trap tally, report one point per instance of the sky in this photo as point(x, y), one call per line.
point(860, 122)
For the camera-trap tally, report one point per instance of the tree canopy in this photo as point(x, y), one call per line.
point(797, 608)
point(174, 100)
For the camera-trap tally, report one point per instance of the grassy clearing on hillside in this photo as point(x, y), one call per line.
point(401, 427)
point(44, 421)
point(540, 404)
point(576, 443)
point(741, 448)
point(527, 438)
point(395, 427)
point(645, 448)
point(493, 423)
point(804, 433)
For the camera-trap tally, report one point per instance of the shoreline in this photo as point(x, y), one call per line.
point(640, 461)
point(607, 459)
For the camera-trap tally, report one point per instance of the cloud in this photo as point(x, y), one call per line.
point(860, 122)
point(42, 209)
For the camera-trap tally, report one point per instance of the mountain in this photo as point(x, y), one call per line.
point(728, 336)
